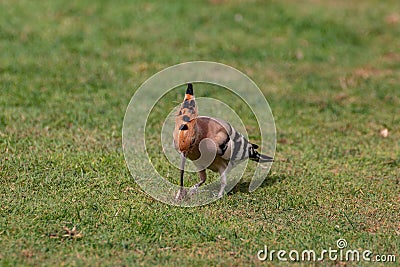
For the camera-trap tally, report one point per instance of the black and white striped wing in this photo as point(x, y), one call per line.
point(235, 147)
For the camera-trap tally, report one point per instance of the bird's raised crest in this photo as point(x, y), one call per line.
point(185, 121)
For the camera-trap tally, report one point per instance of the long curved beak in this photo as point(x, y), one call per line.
point(182, 167)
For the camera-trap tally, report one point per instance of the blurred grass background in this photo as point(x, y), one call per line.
point(329, 69)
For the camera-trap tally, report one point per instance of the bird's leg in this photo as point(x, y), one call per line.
point(223, 183)
point(181, 193)
point(203, 177)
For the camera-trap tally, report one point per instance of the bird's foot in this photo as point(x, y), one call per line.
point(193, 190)
point(221, 193)
point(182, 192)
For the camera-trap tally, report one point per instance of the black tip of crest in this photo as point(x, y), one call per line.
point(189, 89)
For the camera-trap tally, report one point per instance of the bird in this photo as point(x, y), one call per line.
point(211, 143)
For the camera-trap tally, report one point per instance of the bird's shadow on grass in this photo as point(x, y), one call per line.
point(243, 186)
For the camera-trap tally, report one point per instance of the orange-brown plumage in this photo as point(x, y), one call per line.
point(185, 138)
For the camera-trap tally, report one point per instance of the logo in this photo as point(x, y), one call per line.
point(338, 253)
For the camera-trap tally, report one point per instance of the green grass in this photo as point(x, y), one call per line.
point(329, 69)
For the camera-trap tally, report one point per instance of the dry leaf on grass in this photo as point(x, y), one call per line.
point(72, 233)
point(392, 19)
point(384, 132)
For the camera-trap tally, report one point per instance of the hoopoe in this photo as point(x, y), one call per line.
point(210, 143)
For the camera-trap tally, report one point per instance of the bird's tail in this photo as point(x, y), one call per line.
point(255, 156)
